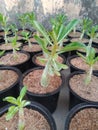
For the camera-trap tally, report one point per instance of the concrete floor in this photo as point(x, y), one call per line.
point(63, 103)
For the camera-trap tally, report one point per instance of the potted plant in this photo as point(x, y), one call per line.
point(81, 62)
point(23, 19)
point(85, 24)
point(82, 117)
point(25, 115)
point(5, 26)
point(80, 83)
point(15, 58)
point(93, 34)
point(51, 72)
point(12, 40)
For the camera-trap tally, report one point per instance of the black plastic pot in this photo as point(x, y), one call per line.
point(73, 68)
point(49, 100)
point(38, 107)
point(95, 43)
point(74, 97)
point(75, 110)
point(21, 66)
point(12, 90)
point(40, 54)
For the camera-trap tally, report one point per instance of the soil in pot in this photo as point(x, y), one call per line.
point(73, 34)
point(33, 119)
point(21, 60)
point(77, 63)
point(88, 92)
point(21, 30)
point(9, 83)
point(85, 119)
point(2, 33)
point(84, 40)
point(36, 118)
point(33, 48)
point(37, 62)
point(7, 78)
point(8, 46)
point(32, 80)
point(47, 96)
point(82, 117)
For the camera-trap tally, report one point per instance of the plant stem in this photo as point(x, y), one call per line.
point(90, 42)
point(89, 75)
point(30, 45)
point(82, 35)
point(74, 30)
point(5, 38)
point(21, 124)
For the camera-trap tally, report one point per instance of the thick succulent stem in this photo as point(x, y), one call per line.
point(89, 75)
point(5, 38)
point(21, 124)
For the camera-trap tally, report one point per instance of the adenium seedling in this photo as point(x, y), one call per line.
point(89, 59)
point(92, 33)
point(54, 38)
point(5, 26)
point(86, 23)
point(14, 45)
point(23, 19)
point(26, 36)
point(18, 106)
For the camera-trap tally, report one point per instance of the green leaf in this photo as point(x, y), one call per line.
point(43, 43)
point(2, 53)
point(42, 30)
point(25, 103)
point(22, 93)
point(44, 78)
point(72, 46)
point(11, 112)
point(42, 60)
point(64, 31)
point(10, 100)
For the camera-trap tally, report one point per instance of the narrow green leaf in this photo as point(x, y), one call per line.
point(65, 30)
point(11, 112)
point(10, 100)
point(22, 92)
point(42, 30)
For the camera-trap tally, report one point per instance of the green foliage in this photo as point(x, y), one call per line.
point(23, 19)
point(2, 53)
point(90, 59)
point(53, 38)
point(58, 20)
point(19, 104)
point(5, 26)
point(86, 23)
point(14, 29)
point(93, 31)
point(15, 46)
point(26, 36)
